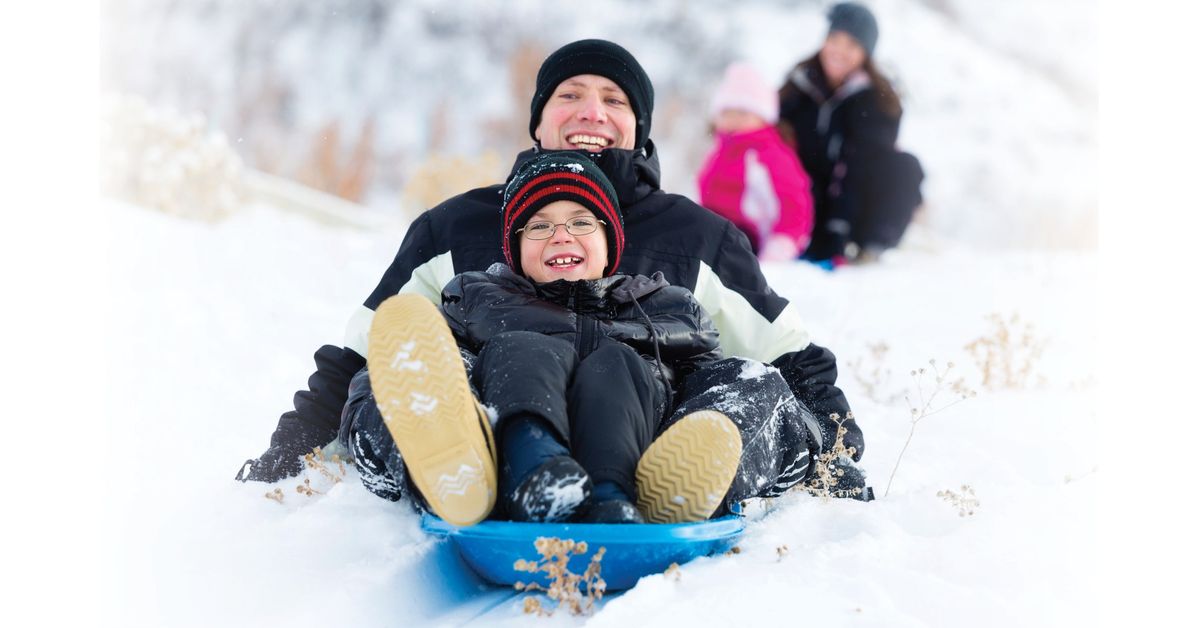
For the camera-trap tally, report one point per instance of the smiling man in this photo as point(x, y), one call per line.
point(591, 96)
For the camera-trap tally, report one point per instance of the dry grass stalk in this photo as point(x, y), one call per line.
point(564, 586)
point(307, 489)
point(782, 551)
point(925, 406)
point(275, 495)
point(874, 377)
point(823, 479)
point(1075, 478)
point(673, 572)
point(442, 176)
point(1007, 356)
point(965, 502)
point(318, 462)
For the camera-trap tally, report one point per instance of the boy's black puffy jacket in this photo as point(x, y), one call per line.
point(693, 247)
point(661, 322)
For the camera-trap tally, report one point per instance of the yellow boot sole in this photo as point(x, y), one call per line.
point(686, 471)
point(421, 389)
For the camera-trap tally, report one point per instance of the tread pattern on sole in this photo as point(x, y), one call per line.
point(422, 392)
point(685, 473)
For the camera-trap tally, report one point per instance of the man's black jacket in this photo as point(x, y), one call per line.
point(693, 247)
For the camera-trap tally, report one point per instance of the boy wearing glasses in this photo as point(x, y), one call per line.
point(578, 363)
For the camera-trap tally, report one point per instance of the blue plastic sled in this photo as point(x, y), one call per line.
point(632, 550)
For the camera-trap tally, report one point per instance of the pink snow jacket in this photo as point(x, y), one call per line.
point(756, 181)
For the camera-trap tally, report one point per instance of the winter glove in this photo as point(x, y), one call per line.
point(848, 478)
point(277, 463)
point(779, 248)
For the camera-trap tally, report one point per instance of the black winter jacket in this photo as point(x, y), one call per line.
point(694, 248)
point(661, 322)
point(847, 143)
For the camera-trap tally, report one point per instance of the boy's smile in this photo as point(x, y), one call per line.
point(562, 255)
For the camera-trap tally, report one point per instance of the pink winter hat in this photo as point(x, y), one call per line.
point(744, 88)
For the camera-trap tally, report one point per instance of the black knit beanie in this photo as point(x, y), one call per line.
point(857, 21)
point(603, 58)
point(561, 176)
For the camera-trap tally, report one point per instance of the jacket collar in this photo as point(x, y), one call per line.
point(594, 292)
point(635, 174)
point(812, 82)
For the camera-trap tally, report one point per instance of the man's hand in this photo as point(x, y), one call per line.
point(851, 482)
point(275, 464)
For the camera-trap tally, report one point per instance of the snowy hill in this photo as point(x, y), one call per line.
point(216, 325)
point(362, 96)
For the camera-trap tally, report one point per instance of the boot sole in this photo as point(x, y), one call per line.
point(685, 473)
point(442, 432)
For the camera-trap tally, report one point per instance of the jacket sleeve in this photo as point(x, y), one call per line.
point(794, 190)
point(315, 420)
point(317, 411)
point(757, 323)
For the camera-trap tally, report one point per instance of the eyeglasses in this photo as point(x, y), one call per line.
point(544, 229)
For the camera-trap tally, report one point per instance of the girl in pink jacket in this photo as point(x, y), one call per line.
point(751, 176)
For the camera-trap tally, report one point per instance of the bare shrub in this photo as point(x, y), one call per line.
point(161, 159)
point(564, 586)
point(330, 471)
point(826, 473)
point(1007, 355)
point(965, 502)
point(442, 176)
point(874, 375)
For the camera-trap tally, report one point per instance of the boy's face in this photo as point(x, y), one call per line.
point(562, 255)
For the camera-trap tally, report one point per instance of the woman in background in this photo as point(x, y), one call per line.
point(843, 117)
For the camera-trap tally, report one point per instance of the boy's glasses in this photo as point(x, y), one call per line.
point(544, 229)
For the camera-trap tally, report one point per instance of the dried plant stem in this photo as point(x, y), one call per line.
point(924, 407)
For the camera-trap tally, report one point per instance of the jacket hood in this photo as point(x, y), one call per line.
point(635, 174)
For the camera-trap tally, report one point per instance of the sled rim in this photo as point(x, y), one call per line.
point(639, 533)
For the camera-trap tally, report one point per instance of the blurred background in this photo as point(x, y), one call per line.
point(395, 106)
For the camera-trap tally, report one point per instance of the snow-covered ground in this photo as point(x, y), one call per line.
point(135, 385)
point(215, 325)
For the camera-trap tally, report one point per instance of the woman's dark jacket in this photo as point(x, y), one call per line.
point(864, 190)
point(661, 322)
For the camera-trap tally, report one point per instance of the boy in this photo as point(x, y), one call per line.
point(579, 364)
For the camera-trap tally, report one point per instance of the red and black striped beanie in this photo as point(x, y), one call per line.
point(561, 176)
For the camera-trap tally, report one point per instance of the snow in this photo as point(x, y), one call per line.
point(1000, 99)
point(212, 356)
point(154, 354)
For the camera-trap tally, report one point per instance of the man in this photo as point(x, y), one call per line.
point(592, 96)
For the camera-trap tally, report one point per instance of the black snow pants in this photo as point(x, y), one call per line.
point(607, 407)
point(780, 436)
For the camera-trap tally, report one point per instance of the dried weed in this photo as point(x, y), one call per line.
point(564, 586)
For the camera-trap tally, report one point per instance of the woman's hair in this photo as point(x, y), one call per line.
point(889, 100)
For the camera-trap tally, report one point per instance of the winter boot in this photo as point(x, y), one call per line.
point(421, 388)
point(686, 471)
point(551, 493)
point(539, 480)
point(610, 504)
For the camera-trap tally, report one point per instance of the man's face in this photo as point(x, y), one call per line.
point(587, 112)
